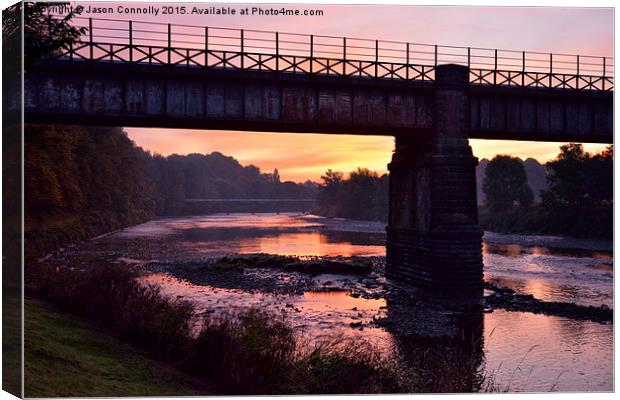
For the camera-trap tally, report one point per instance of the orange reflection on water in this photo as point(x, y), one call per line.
point(320, 315)
point(537, 288)
point(313, 243)
point(339, 300)
point(288, 244)
point(242, 220)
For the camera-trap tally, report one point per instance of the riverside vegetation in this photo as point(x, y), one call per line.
point(249, 352)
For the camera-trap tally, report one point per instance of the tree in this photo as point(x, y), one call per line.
point(75, 171)
point(331, 178)
point(505, 185)
point(330, 188)
point(43, 35)
point(360, 195)
point(580, 195)
point(364, 195)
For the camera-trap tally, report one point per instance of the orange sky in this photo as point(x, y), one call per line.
point(306, 156)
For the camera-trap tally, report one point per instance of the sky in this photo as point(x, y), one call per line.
point(299, 157)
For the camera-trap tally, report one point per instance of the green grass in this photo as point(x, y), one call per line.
point(11, 344)
point(65, 356)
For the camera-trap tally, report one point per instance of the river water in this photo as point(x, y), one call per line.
point(521, 351)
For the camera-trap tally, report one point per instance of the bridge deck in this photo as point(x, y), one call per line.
point(122, 74)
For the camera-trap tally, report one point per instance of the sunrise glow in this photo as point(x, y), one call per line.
point(305, 156)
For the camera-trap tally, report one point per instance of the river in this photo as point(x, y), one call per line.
point(521, 351)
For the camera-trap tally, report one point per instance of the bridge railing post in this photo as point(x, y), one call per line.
point(495, 68)
point(90, 36)
point(376, 58)
point(130, 42)
point(311, 53)
point(169, 44)
point(469, 57)
point(523, 70)
point(407, 63)
point(206, 46)
point(242, 49)
point(344, 55)
point(604, 71)
point(550, 70)
point(577, 76)
point(277, 52)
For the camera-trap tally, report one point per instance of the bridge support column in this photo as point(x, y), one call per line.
point(433, 238)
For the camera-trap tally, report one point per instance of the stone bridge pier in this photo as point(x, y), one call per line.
point(434, 241)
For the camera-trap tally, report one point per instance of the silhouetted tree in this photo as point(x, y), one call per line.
point(364, 195)
point(579, 199)
point(43, 35)
point(329, 189)
point(505, 185)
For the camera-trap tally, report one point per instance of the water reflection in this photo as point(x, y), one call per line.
point(578, 276)
point(283, 241)
point(445, 348)
point(514, 351)
point(319, 315)
point(550, 272)
point(516, 250)
point(532, 352)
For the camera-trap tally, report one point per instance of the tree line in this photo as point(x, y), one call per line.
point(577, 198)
point(364, 194)
point(82, 181)
point(213, 176)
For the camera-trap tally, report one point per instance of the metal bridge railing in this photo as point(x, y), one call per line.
point(109, 40)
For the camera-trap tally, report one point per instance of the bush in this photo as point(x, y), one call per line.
point(253, 353)
point(346, 366)
point(248, 353)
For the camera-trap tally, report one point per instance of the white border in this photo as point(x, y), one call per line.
point(538, 3)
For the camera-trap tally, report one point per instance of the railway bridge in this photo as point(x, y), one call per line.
point(431, 98)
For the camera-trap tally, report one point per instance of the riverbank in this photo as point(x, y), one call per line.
point(56, 232)
point(536, 220)
point(66, 356)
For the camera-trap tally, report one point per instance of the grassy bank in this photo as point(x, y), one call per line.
point(11, 343)
point(67, 356)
